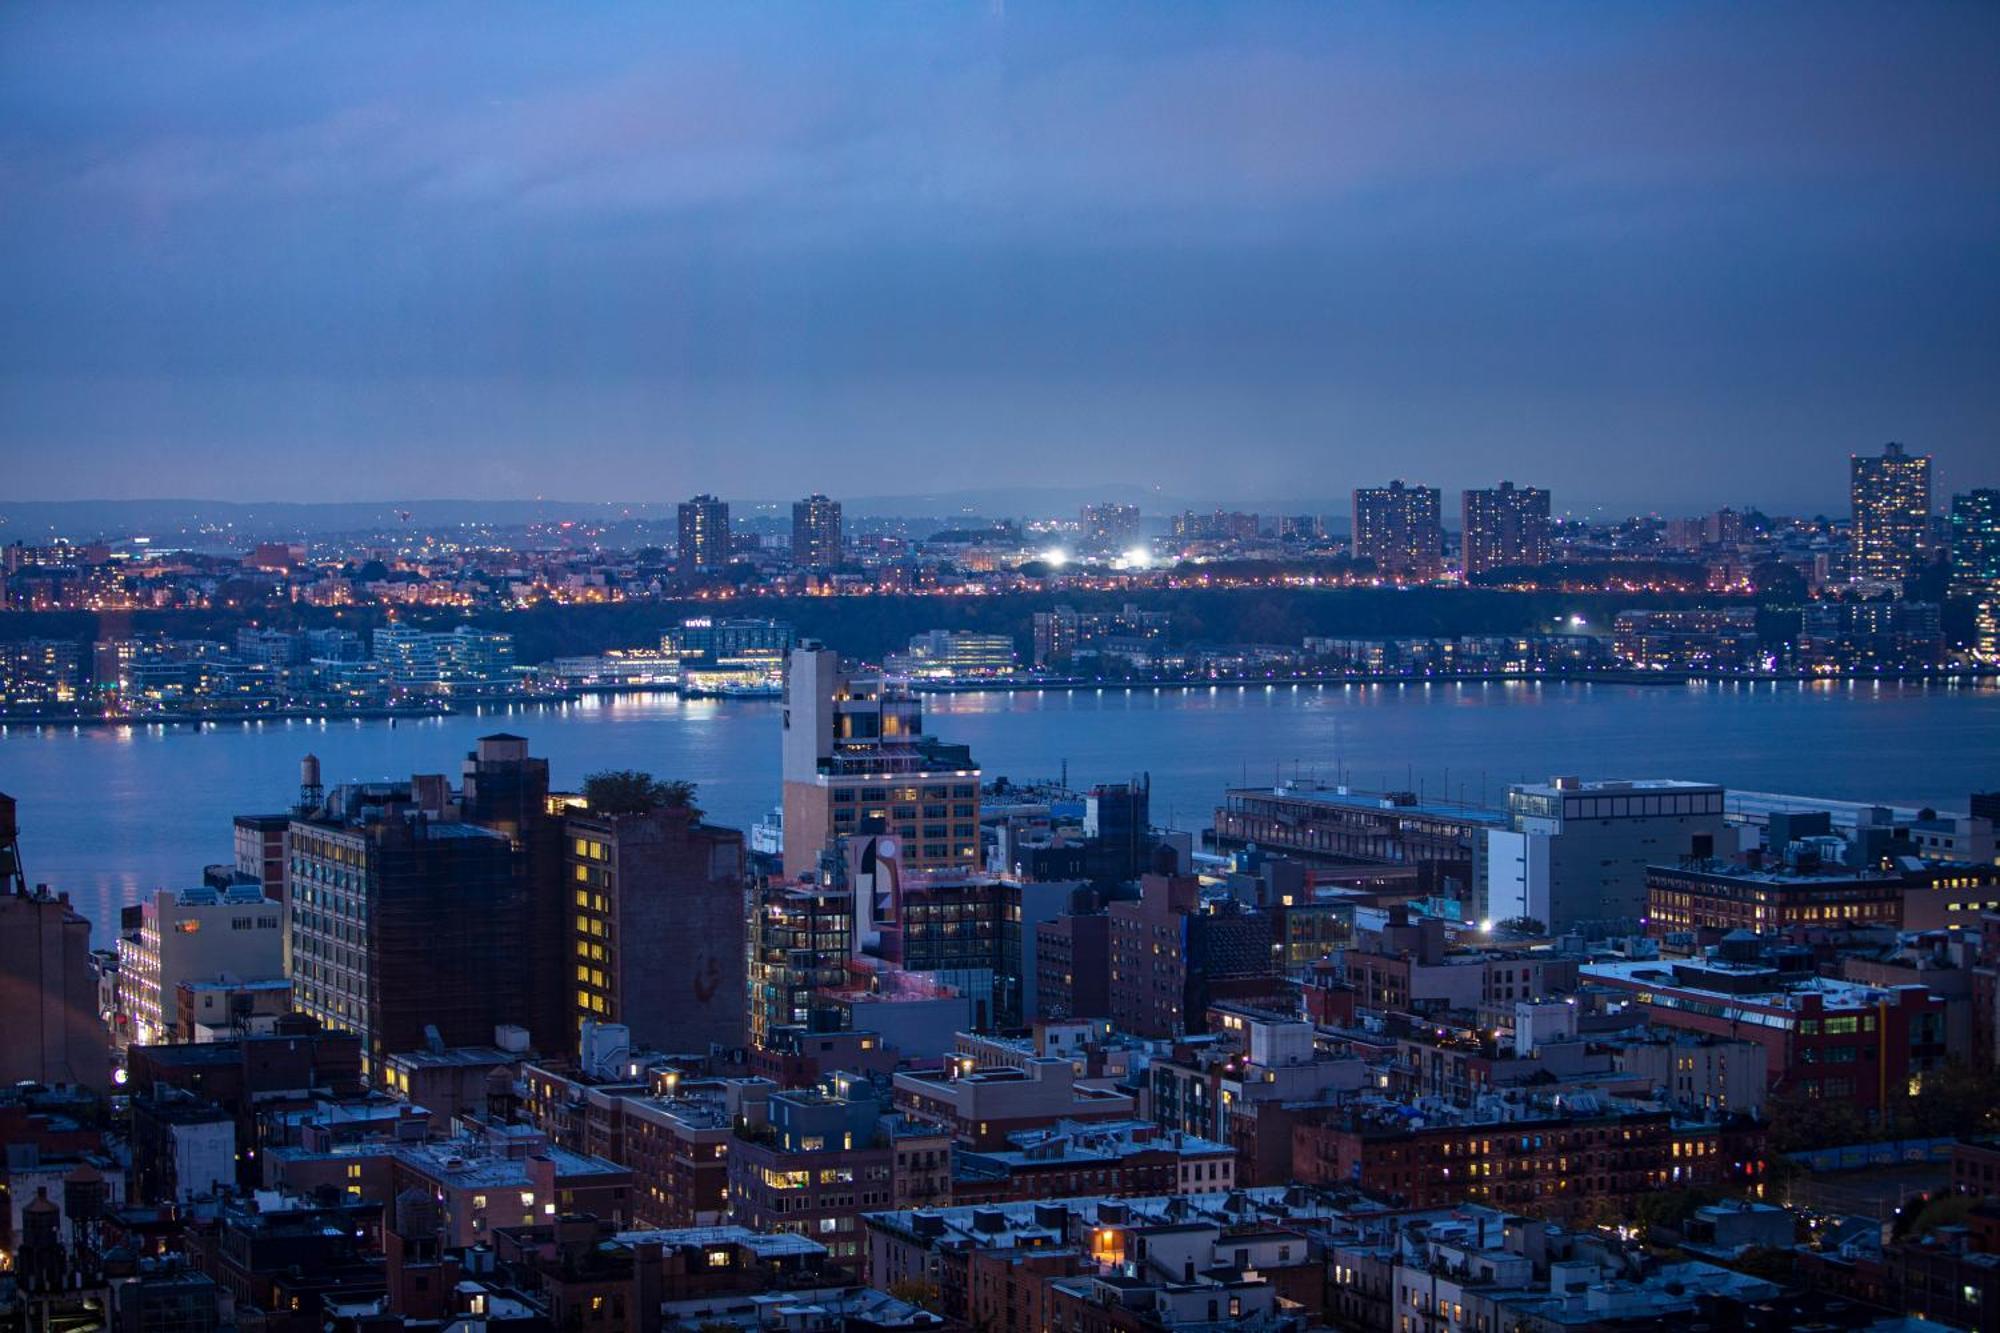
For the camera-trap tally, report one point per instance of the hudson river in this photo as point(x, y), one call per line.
point(108, 813)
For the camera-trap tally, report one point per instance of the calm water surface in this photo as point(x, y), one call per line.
point(108, 813)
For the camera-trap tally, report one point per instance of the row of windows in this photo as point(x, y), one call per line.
point(964, 791)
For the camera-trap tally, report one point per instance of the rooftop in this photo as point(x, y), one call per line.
point(1375, 802)
point(1615, 786)
point(1726, 982)
point(763, 1244)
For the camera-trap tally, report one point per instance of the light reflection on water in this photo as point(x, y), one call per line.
point(111, 812)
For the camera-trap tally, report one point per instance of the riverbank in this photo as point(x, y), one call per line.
point(63, 722)
point(1953, 676)
point(1029, 685)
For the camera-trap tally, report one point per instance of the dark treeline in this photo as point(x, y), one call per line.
point(870, 626)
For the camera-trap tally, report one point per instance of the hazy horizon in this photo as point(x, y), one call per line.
point(1652, 258)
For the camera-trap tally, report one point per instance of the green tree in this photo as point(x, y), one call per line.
point(626, 791)
point(1801, 1124)
point(1953, 1099)
point(1772, 1265)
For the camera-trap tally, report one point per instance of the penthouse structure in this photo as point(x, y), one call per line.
point(858, 764)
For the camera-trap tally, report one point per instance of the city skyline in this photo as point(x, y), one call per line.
point(1106, 668)
point(1632, 254)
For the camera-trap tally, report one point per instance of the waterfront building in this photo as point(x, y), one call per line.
point(1577, 852)
point(1059, 634)
point(858, 764)
point(1694, 639)
point(1504, 528)
point(201, 934)
point(270, 647)
point(465, 660)
point(946, 655)
point(1891, 495)
point(657, 932)
point(719, 655)
point(712, 638)
point(1975, 565)
point(704, 534)
point(52, 1032)
point(40, 671)
point(1401, 529)
point(1859, 636)
point(816, 533)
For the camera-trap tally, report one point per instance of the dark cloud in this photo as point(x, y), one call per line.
point(1665, 254)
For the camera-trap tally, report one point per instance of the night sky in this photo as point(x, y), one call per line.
point(1664, 256)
